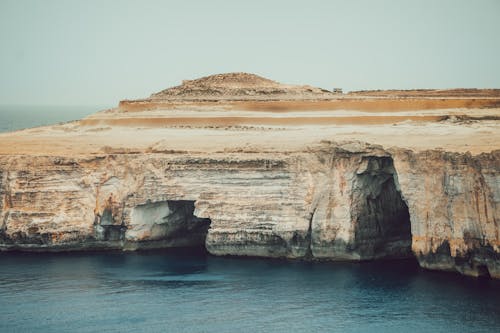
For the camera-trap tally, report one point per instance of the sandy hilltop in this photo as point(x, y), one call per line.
point(238, 86)
point(246, 111)
point(244, 165)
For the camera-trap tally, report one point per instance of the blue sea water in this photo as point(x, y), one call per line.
point(15, 117)
point(191, 292)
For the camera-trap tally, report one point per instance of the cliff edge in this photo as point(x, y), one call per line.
point(312, 179)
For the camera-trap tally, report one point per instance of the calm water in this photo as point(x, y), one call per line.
point(175, 292)
point(14, 117)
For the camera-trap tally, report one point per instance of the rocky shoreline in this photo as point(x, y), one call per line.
point(351, 202)
point(294, 191)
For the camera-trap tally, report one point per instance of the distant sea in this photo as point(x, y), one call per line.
point(15, 117)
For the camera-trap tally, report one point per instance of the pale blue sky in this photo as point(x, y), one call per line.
point(98, 52)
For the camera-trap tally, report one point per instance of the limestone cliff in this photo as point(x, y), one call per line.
point(349, 202)
point(453, 201)
point(285, 172)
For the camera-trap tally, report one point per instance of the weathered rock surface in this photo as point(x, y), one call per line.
point(453, 201)
point(335, 203)
point(292, 191)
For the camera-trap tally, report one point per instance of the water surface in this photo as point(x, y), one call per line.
point(15, 117)
point(176, 292)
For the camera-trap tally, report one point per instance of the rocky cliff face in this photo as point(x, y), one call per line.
point(348, 202)
point(453, 201)
point(242, 165)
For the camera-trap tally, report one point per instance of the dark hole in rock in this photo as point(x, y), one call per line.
point(383, 228)
point(171, 223)
point(483, 272)
point(109, 232)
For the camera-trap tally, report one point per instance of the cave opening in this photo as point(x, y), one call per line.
point(382, 221)
point(160, 225)
point(181, 225)
point(483, 271)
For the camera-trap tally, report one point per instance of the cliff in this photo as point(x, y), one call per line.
point(286, 190)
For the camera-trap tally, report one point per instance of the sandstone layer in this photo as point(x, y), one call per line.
point(297, 177)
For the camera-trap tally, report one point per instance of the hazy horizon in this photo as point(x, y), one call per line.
point(59, 52)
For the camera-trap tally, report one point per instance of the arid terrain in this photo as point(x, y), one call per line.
point(276, 170)
point(246, 112)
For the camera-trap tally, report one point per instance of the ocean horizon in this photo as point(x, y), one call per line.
point(17, 117)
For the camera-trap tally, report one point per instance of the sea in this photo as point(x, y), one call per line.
point(185, 291)
point(190, 291)
point(16, 117)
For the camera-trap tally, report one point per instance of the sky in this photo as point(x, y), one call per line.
point(97, 52)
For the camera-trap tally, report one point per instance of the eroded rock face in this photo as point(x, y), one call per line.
point(349, 202)
point(453, 200)
point(382, 227)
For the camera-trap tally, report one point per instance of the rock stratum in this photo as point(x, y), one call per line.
point(289, 172)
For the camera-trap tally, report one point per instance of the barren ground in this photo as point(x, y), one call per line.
point(211, 129)
point(244, 112)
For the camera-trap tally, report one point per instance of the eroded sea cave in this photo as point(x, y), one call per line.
point(381, 216)
point(169, 223)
